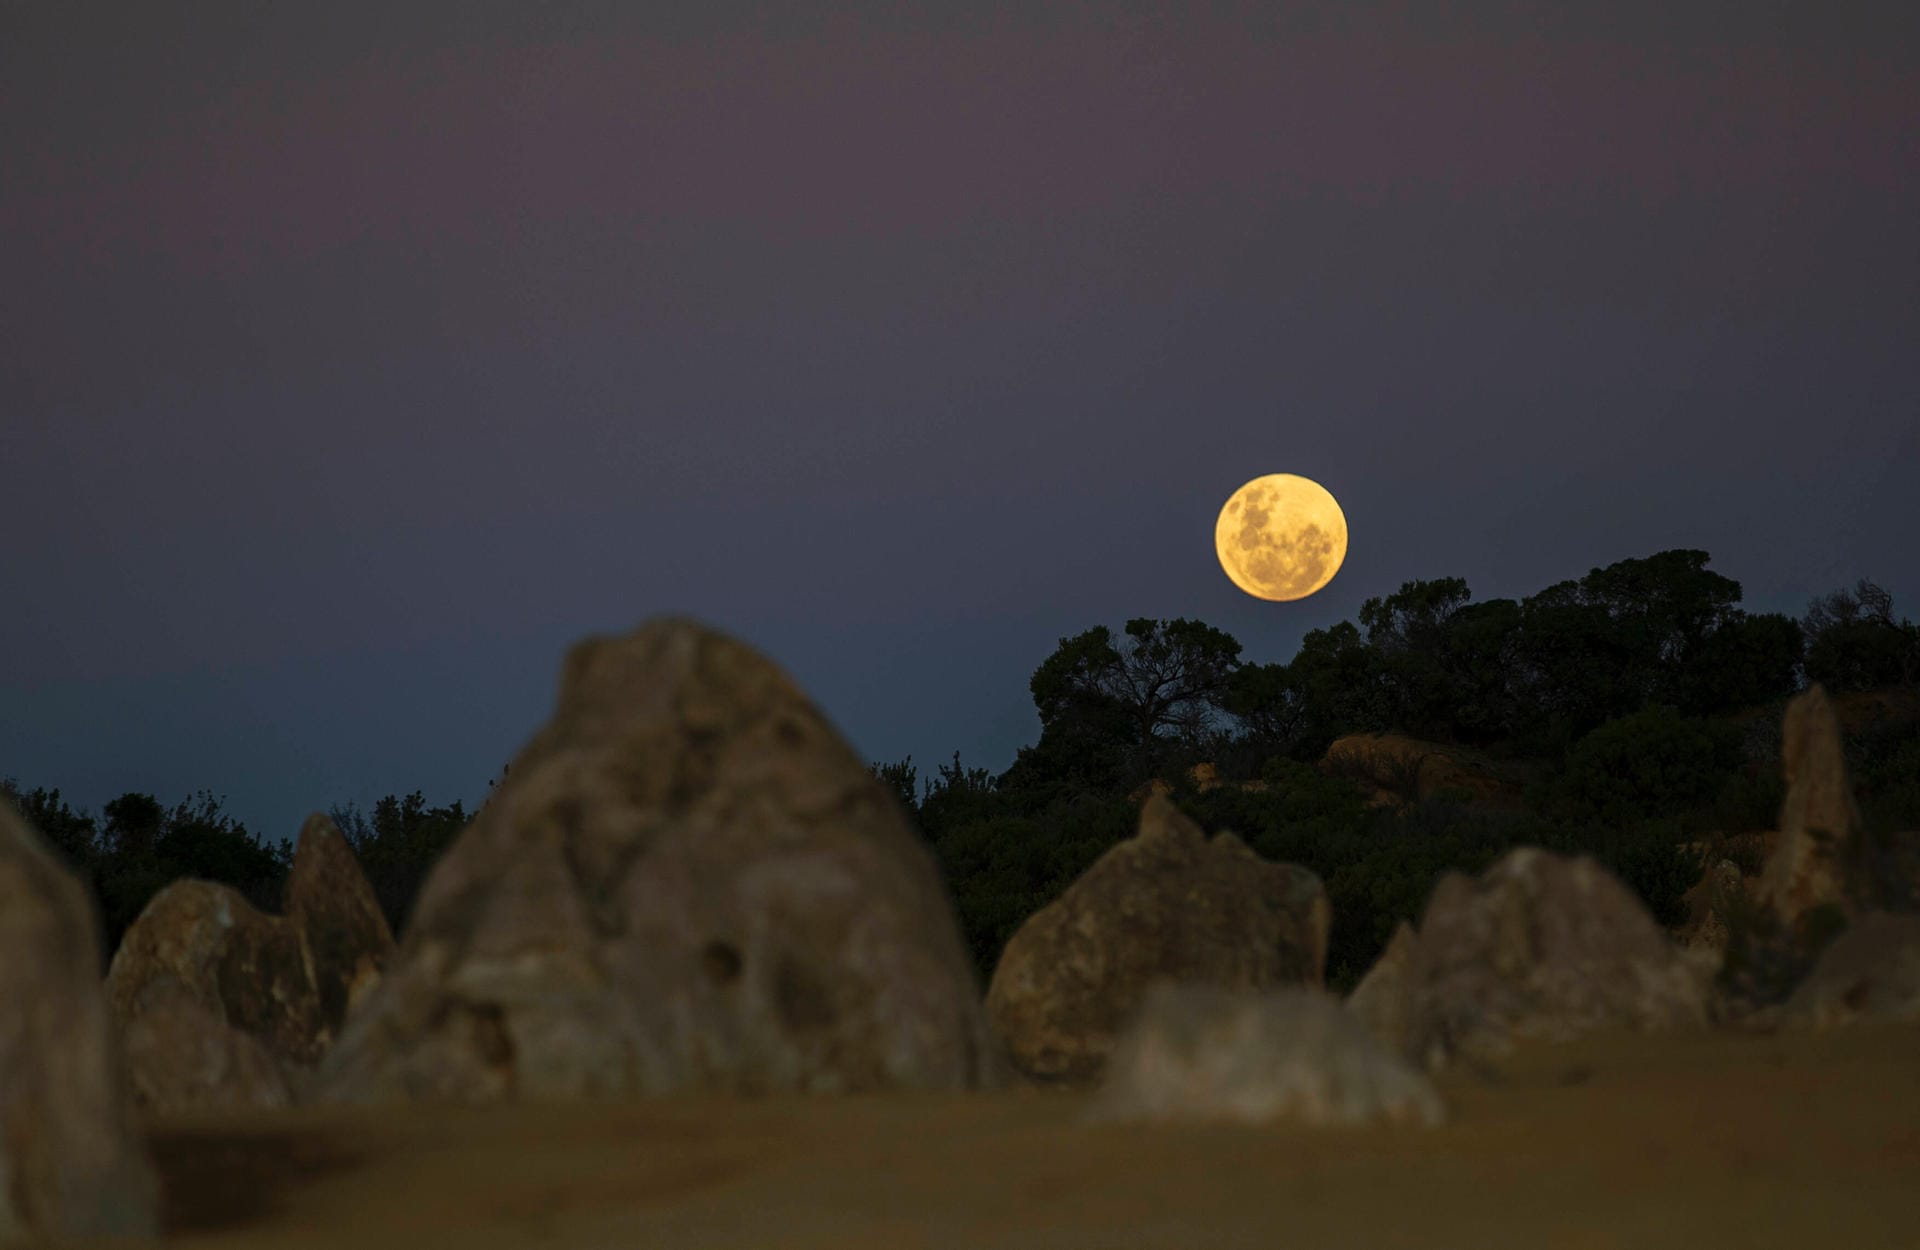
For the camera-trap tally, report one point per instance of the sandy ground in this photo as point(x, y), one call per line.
point(1798, 1140)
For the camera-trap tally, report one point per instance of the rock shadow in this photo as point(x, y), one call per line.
point(214, 1180)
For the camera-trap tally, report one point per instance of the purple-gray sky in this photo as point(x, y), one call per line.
point(355, 359)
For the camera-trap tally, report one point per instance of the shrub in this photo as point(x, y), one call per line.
point(1652, 763)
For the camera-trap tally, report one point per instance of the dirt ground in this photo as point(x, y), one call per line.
point(1708, 1140)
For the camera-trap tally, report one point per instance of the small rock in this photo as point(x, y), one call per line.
point(1396, 770)
point(1167, 904)
point(1204, 1053)
point(1382, 999)
point(1710, 905)
point(234, 986)
point(332, 904)
point(1870, 972)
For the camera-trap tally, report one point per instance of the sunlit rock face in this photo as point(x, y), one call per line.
point(1200, 1053)
point(688, 882)
point(1167, 904)
point(1540, 945)
point(222, 1005)
point(71, 1164)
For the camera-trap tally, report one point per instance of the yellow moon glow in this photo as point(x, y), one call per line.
point(1281, 537)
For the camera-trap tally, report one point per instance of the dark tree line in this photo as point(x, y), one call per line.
point(1618, 695)
point(1637, 700)
point(138, 845)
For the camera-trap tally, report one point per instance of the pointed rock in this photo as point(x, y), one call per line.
point(72, 1165)
point(1165, 904)
point(688, 882)
point(331, 903)
point(1200, 1053)
point(1815, 856)
point(1384, 996)
point(1540, 945)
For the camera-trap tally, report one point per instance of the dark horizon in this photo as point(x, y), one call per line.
point(474, 793)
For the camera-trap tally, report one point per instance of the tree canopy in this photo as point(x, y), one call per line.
point(1853, 641)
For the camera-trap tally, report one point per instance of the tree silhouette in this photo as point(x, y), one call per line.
point(399, 845)
point(1112, 709)
point(1853, 641)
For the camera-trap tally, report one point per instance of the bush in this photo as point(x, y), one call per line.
point(71, 834)
point(1002, 867)
point(399, 846)
point(1749, 801)
point(1379, 865)
point(1884, 763)
point(1651, 857)
point(1655, 762)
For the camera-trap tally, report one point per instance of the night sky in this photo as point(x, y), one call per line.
point(354, 360)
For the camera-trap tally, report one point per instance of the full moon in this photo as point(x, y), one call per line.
point(1281, 537)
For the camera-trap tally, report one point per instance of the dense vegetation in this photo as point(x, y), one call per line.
point(1635, 712)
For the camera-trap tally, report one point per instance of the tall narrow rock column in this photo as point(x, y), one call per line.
point(70, 1164)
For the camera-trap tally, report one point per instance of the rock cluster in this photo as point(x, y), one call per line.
point(1540, 945)
point(1167, 904)
point(689, 882)
point(1204, 1053)
point(221, 1005)
point(70, 1164)
point(1824, 875)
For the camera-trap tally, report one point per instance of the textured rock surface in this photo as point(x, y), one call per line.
point(1711, 904)
point(1166, 904)
point(688, 882)
point(1397, 769)
point(246, 967)
point(1540, 945)
point(181, 1055)
point(236, 981)
point(1817, 852)
point(1203, 1053)
point(70, 1165)
point(1383, 996)
point(1870, 972)
point(332, 905)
